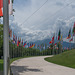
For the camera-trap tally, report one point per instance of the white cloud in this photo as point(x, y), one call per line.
point(43, 23)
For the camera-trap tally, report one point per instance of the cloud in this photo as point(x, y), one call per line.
point(49, 19)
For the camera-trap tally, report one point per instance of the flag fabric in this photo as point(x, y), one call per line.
point(52, 41)
point(61, 38)
point(69, 34)
point(14, 41)
point(31, 46)
point(59, 34)
point(55, 44)
point(1, 3)
point(22, 42)
point(18, 42)
point(10, 32)
point(73, 29)
point(25, 43)
point(10, 8)
point(1, 13)
point(71, 39)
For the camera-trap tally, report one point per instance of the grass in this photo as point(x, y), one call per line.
point(65, 59)
point(11, 60)
point(1, 64)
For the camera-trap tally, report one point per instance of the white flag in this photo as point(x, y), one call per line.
point(11, 8)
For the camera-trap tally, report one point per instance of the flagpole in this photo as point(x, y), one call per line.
point(6, 37)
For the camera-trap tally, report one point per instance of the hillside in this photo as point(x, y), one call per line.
point(66, 59)
point(65, 44)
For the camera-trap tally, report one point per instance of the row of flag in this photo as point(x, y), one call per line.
point(19, 41)
point(10, 7)
point(60, 36)
point(73, 34)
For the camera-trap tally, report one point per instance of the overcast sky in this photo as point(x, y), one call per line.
point(46, 20)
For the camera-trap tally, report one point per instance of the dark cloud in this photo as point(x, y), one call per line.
point(73, 6)
point(59, 3)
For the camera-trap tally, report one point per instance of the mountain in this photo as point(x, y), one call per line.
point(65, 44)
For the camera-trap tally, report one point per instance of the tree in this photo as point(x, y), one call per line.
point(1, 40)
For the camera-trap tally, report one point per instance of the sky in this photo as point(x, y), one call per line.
point(40, 19)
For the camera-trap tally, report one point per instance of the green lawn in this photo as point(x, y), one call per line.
point(65, 59)
point(1, 64)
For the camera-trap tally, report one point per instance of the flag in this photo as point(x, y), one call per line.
point(18, 42)
point(61, 38)
point(31, 46)
point(59, 34)
point(55, 44)
point(71, 39)
point(1, 13)
point(69, 34)
point(14, 38)
point(22, 42)
point(10, 32)
point(10, 8)
point(52, 41)
point(25, 43)
point(1, 3)
point(73, 29)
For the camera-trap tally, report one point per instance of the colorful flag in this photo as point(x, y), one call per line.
point(22, 42)
point(55, 44)
point(14, 38)
point(1, 13)
point(59, 34)
point(61, 38)
point(69, 34)
point(52, 41)
point(73, 29)
point(18, 42)
point(31, 46)
point(71, 39)
point(25, 43)
point(10, 8)
point(1, 3)
point(10, 32)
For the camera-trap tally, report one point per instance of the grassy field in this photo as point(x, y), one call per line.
point(11, 60)
point(1, 64)
point(65, 59)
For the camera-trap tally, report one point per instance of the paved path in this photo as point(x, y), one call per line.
point(38, 66)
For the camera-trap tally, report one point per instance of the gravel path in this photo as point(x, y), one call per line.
point(38, 66)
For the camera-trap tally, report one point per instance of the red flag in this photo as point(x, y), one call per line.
point(55, 44)
point(50, 42)
point(18, 42)
point(71, 39)
point(1, 3)
point(1, 13)
point(25, 44)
